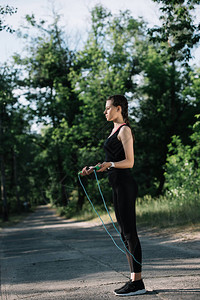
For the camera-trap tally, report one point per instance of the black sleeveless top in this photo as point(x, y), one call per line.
point(113, 147)
point(114, 150)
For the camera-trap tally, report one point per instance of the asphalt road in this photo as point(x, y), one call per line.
point(46, 257)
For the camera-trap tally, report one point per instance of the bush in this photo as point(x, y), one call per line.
point(168, 210)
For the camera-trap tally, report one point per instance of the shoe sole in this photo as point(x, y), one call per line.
point(140, 292)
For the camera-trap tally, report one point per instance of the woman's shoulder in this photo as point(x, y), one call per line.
point(124, 132)
point(125, 129)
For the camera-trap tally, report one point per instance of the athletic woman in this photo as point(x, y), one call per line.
point(119, 160)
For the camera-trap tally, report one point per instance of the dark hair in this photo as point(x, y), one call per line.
point(120, 100)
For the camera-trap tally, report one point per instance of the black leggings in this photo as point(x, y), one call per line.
point(124, 195)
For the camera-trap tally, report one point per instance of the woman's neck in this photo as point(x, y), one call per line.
point(118, 123)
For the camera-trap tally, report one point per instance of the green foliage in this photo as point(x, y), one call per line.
point(183, 163)
point(192, 91)
point(103, 67)
point(87, 212)
point(52, 102)
point(164, 109)
point(66, 92)
point(18, 171)
point(6, 10)
point(167, 104)
point(178, 28)
point(48, 65)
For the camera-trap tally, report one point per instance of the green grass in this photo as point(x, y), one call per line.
point(86, 214)
point(164, 211)
point(168, 211)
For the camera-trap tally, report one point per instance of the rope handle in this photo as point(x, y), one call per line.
point(94, 168)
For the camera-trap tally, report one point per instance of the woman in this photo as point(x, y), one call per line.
point(119, 160)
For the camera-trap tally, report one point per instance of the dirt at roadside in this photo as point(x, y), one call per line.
point(184, 236)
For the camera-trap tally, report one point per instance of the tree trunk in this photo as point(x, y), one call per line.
point(173, 90)
point(16, 181)
point(161, 184)
point(62, 181)
point(3, 181)
point(3, 190)
point(81, 196)
point(61, 176)
point(171, 127)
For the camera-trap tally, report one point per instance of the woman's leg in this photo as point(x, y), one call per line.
point(126, 193)
point(134, 255)
point(128, 243)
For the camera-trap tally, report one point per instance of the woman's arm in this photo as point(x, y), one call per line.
point(126, 137)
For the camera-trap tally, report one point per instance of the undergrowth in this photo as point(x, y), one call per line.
point(168, 210)
point(164, 211)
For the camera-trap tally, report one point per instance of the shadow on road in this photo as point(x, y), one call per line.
point(46, 253)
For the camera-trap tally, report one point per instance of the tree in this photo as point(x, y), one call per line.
point(50, 92)
point(182, 167)
point(104, 67)
point(178, 28)
point(6, 101)
point(6, 10)
point(164, 107)
point(12, 125)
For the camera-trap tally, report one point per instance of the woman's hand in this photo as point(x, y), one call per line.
point(87, 170)
point(104, 166)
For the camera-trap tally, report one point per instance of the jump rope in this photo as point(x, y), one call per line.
point(104, 203)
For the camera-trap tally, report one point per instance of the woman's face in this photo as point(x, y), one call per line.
point(111, 112)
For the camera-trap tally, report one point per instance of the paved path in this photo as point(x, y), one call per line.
point(46, 257)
